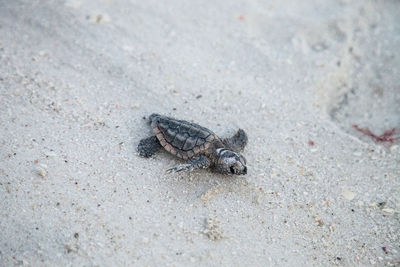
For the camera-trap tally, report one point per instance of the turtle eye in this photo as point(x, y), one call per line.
point(232, 170)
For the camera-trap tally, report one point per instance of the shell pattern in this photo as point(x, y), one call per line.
point(181, 138)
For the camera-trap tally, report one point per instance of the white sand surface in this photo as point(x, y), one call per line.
point(77, 77)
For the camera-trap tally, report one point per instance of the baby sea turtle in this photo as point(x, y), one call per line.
point(199, 145)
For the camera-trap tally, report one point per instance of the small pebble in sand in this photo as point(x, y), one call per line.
point(135, 106)
point(382, 204)
point(388, 211)
point(41, 170)
point(347, 194)
point(49, 154)
point(99, 18)
point(71, 247)
point(319, 221)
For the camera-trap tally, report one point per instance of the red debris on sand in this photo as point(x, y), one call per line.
point(387, 136)
point(311, 143)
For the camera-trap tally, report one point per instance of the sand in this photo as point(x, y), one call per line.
point(305, 79)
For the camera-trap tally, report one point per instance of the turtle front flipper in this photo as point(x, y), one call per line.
point(149, 146)
point(237, 142)
point(199, 162)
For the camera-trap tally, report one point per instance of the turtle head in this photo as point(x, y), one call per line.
point(229, 162)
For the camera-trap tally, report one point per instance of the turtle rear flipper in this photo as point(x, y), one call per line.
point(147, 147)
point(237, 142)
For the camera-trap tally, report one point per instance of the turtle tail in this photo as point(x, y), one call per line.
point(153, 116)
